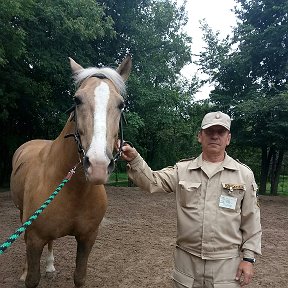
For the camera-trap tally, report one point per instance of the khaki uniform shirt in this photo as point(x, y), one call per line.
point(217, 215)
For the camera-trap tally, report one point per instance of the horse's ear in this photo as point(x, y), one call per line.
point(75, 67)
point(125, 67)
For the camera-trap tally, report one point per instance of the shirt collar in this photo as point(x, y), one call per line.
point(228, 163)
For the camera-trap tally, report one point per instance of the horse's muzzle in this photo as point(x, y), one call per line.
point(98, 172)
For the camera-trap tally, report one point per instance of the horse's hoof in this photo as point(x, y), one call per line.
point(31, 285)
point(79, 284)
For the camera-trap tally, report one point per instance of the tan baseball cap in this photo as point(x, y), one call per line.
point(216, 118)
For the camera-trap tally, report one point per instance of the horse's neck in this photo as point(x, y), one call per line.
point(64, 150)
point(63, 156)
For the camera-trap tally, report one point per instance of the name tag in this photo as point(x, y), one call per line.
point(227, 202)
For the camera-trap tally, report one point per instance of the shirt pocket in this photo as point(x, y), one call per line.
point(236, 191)
point(189, 194)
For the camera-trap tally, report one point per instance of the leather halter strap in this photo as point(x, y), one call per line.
point(77, 137)
point(76, 134)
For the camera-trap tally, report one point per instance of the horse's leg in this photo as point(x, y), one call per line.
point(34, 248)
point(25, 268)
point(84, 246)
point(50, 258)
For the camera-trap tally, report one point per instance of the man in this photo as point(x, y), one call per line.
point(218, 219)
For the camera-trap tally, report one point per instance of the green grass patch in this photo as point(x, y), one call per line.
point(119, 179)
point(282, 186)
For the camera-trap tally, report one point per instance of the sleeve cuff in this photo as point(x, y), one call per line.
point(135, 161)
point(248, 254)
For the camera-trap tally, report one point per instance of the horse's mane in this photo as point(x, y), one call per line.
point(105, 72)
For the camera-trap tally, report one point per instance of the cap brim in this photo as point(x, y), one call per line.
point(214, 124)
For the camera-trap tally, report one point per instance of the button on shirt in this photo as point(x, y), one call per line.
point(217, 212)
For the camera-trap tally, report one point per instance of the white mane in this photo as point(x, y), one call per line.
point(106, 72)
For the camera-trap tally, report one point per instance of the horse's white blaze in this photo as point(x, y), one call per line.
point(99, 142)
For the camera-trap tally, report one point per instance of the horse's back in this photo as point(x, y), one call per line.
point(24, 160)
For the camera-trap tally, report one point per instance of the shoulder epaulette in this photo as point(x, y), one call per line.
point(243, 164)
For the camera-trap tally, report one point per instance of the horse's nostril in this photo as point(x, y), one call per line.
point(111, 166)
point(86, 162)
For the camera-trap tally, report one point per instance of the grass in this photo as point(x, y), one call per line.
point(282, 186)
point(121, 180)
point(118, 179)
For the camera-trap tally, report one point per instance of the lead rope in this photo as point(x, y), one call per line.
point(35, 215)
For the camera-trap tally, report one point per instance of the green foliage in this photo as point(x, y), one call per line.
point(36, 39)
point(251, 80)
point(119, 179)
point(152, 32)
point(262, 37)
point(12, 35)
point(265, 121)
point(250, 75)
point(38, 36)
point(283, 187)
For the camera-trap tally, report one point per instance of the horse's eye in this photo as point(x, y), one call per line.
point(121, 106)
point(77, 101)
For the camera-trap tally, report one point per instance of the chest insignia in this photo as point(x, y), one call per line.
point(232, 187)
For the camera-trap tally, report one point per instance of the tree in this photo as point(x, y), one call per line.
point(35, 81)
point(152, 31)
point(37, 36)
point(251, 80)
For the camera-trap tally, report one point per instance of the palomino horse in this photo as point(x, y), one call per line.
point(40, 165)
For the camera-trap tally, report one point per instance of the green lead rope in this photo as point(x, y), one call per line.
point(35, 215)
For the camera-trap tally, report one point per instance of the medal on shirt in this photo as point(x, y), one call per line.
point(232, 187)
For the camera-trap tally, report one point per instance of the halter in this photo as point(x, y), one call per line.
point(77, 138)
point(76, 134)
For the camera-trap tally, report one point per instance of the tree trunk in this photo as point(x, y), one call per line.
point(265, 164)
point(272, 170)
point(275, 172)
point(5, 165)
point(264, 171)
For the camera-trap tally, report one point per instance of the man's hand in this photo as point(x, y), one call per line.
point(245, 273)
point(128, 153)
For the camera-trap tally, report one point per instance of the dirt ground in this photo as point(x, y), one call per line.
point(136, 242)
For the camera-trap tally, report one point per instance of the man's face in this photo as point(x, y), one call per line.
point(214, 139)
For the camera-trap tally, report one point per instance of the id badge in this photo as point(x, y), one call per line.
point(228, 202)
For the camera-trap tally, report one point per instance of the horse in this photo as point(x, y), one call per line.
point(38, 166)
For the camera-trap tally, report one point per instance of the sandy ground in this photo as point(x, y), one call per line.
point(136, 242)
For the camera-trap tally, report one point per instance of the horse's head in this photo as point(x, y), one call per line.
point(99, 104)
